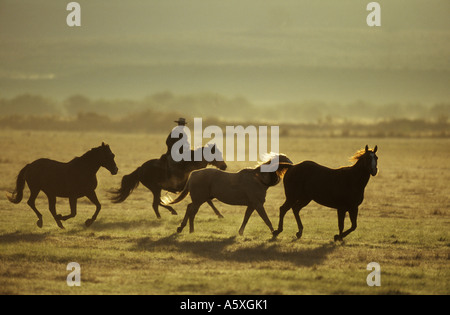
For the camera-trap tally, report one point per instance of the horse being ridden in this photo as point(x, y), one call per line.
point(72, 180)
point(247, 187)
point(153, 175)
point(341, 188)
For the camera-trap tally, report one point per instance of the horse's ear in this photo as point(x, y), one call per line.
point(367, 148)
point(375, 149)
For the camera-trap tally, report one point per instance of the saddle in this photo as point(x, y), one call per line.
point(173, 179)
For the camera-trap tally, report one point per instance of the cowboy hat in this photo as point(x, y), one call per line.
point(181, 121)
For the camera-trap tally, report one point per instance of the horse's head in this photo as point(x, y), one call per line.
point(214, 157)
point(284, 159)
point(274, 162)
point(106, 158)
point(369, 159)
point(272, 171)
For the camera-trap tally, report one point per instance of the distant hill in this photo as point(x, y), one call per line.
point(156, 113)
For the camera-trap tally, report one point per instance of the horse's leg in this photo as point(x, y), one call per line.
point(215, 209)
point(172, 210)
point(247, 215)
point(283, 209)
point(296, 209)
point(156, 201)
point(262, 212)
point(31, 202)
point(185, 219)
point(73, 209)
point(341, 217)
point(52, 208)
point(194, 211)
point(92, 196)
point(353, 213)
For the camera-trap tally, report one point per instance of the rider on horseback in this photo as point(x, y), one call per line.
point(178, 145)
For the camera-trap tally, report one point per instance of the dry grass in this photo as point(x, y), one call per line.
point(403, 225)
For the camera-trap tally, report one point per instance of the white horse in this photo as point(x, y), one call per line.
point(247, 187)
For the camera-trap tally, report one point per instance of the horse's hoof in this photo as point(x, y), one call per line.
point(174, 212)
point(89, 222)
point(221, 216)
point(179, 229)
point(337, 238)
point(299, 235)
point(60, 224)
point(241, 232)
point(275, 233)
point(39, 223)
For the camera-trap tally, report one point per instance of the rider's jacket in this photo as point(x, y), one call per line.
point(179, 133)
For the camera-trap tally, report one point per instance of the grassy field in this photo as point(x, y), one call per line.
point(403, 225)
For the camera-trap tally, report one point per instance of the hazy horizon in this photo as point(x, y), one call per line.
point(266, 51)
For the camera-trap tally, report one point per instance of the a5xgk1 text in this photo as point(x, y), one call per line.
point(228, 305)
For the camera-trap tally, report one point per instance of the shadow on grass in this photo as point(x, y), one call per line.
point(22, 237)
point(101, 225)
point(217, 250)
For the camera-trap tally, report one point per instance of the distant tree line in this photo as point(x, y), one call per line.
point(156, 113)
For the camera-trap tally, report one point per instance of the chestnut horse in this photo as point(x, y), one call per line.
point(341, 188)
point(72, 180)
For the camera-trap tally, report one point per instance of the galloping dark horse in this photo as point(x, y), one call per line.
point(153, 175)
point(341, 188)
point(72, 180)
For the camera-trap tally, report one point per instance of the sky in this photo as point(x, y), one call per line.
point(265, 50)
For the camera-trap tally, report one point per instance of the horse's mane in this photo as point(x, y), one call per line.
point(87, 154)
point(358, 155)
point(92, 151)
point(268, 157)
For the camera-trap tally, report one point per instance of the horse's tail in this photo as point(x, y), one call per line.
point(168, 200)
point(129, 183)
point(17, 194)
